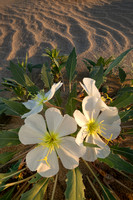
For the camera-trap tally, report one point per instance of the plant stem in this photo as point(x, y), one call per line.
point(55, 183)
point(70, 87)
point(13, 174)
point(21, 191)
point(17, 182)
point(98, 196)
point(96, 178)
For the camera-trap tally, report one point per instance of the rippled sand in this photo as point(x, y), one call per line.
point(94, 27)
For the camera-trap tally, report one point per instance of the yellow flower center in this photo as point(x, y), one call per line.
point(93, 127)
point(40, 101)
point(50, 141)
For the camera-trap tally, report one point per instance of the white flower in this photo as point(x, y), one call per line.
point(51, 143)
point(96, 124)
point(36, 104)
point(90, 87)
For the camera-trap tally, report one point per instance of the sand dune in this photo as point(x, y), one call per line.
point(94, 27)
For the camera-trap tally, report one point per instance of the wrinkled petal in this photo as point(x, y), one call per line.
point(69, 152)
point(90, 88)
point(80, 137)
point(103, 106)
point(57, 85)
point(30, 104)
point(104, 149)
point(33, 158)
point(36, 109)
point(37, 123)
point(90, 107)
point(53, 168)
point(53, 89)
point(67, 126)
point(109, 116)
point(111, 131)
point(80, 118)
point(90, 152)
point(34, 162)
point(28, 135)
point(53, 118)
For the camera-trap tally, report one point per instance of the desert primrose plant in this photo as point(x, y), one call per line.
point(62, 135)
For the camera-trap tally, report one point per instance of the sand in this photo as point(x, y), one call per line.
point(94, 27)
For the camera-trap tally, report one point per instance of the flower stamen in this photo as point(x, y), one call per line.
point(93, 127)
point(50, 141)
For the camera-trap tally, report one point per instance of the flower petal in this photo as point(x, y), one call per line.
point(90, 88)
point(34, 162)
point(53, 89)
point(30, 104)
point(109, 116)
point(104, 149)
point(69, 152)
point(80, 137)
point(90, 108)
point(33, 158)
point(53, 168)
point(80, 118)
point(67, 126)
point(90, 152)
point(27, 135)
point(36, 109)
point(53, 118)
point(111, 131)
point(37, 123)
point(103, 106)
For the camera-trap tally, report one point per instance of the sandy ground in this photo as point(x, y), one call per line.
point(94, 27)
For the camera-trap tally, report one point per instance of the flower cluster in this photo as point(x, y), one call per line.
point(99, 124)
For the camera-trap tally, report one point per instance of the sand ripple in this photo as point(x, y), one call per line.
point(100, 27)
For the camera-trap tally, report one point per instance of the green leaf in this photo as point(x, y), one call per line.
point(126, 115)
point(46, 76)
point(90, 145)
point(116, 61)
point(30, 66)
point(71, 102)
point(2, 108)
point(75, 187)
point(100, 61)
point(123, 100)
point(4, 177)
point(4, 157)
point(111, 197)
point(125, 89)
point(122, 74)
point(58, 99)
point(18, 73)
point(90, 62)
point(123, 151)
point(30, 85)
point(99, 77)
point(37, 192)
point(114, 161)
point(35, 178)
point(94, 71)
point(71, 65)
point(8, 194)
point(9, 138)
point(14, 106)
